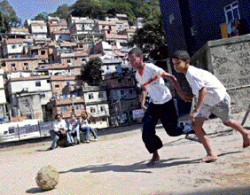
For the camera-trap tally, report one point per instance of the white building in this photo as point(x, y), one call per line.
point(96, 104)
point(3, 101)
point(13, 48)
point(38, 28)
point(110, 65)
point(29, 96)
point(140, 23)
point(80, 25)
point(60, 35)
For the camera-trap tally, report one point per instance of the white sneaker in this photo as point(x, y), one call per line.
point(192, 137)
point(187, 128)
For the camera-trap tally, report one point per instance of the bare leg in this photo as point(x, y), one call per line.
point(200, 133)
point(154, 159)
point(238, 127)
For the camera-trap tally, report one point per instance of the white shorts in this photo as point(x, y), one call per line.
point(222, 110)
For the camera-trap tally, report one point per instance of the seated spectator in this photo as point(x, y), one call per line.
point(60, 131)
point(85, 127)
point(74, 129)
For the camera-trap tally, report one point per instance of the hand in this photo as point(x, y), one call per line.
point(144, 107)
point(193, 116)
point(186, 97)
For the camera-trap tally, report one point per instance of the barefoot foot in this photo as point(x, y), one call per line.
point(154, 159)
point(209, 159)
point(246, 141)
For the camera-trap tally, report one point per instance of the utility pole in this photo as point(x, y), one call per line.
point(72, 103)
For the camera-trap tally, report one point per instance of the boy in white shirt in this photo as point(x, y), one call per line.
point(211, 97)
point(60, 130)
point(161, 106)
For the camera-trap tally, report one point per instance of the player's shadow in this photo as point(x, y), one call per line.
point(140, 167)
point(226, 153)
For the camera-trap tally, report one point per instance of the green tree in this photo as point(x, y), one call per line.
point(90, 8)
point(62, 11)
point(92, 73)
point(151, 36)
point(99, 9)
point(8, 16)
point(3, 24)
point(42, 16)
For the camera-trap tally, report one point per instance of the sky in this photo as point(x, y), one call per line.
point(28, 9)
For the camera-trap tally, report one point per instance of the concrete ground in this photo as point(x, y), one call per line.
point(116, 164)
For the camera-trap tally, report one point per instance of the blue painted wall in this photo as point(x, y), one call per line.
point(206, 16)
point(174, 30)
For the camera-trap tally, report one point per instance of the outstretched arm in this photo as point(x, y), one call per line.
point(174, 81)
point(200, 102)
point(143, 98)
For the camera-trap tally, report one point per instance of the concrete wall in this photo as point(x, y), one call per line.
point(31, 85)
point(229, 61)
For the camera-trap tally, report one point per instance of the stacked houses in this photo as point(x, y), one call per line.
point(42, 63)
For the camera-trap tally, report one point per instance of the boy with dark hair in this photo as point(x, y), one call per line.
point(161, 105)
point(211, 98)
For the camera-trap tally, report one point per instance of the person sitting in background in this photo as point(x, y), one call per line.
point(74, 129)
point(85, 127)
point(60, 131)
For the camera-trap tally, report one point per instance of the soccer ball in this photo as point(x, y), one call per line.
point(47, 178)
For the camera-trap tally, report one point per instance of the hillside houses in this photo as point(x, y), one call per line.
point(42, 64)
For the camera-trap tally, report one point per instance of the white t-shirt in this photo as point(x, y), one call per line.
point(84, 123)
point(198, 78)
point(151, 79)
point(60, 125)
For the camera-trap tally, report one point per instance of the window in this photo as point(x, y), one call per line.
point(48, 81)
point(42, 95)
point(29, 116)
point(13, 46)
point(38, 83)
point(64, 109)
point(92, 110)
point(68, 61)
point(100, 95)
point(11, 130)
point(26, 66)
point(43, 52)
point(91, 96)
point(193, 30)
point(232, 12)
point(103, 119)
point(78, 107)
point(171, 18)
point(56, 86)
point(13, 65)
point(101, 108)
